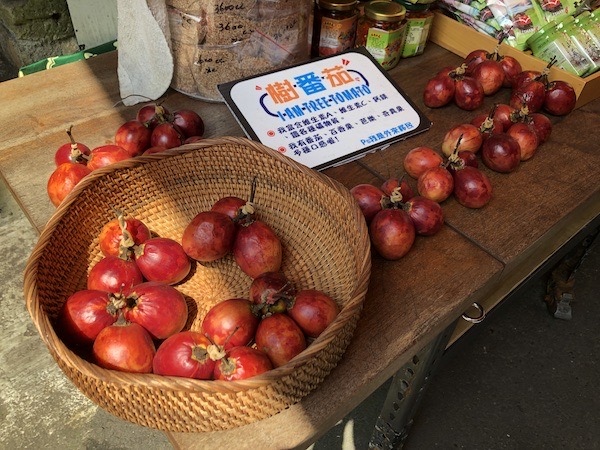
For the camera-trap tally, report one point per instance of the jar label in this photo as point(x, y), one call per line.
point(386, 46)
point(336, 35)
point(417, 32)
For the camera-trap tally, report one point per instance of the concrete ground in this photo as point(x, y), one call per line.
point(520, 380)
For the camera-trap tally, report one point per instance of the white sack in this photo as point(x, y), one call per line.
point(145, 65)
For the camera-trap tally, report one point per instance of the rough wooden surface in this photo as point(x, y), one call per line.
point(84, 94)
point(409, 301)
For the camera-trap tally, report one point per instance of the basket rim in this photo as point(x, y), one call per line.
point(69, 357)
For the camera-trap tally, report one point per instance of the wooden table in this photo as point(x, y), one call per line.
point(480, 256)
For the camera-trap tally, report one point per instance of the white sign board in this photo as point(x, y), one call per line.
point(325, 112)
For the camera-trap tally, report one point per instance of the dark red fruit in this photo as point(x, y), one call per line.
point(113, 274)
point(468, 94)
point(392, 233)
point(501, 153)
point(313, 311)
point(257, 249)
point(512, 68)
point(230, 206)
point(166, 135)
point(185, 354)
point(560, 98)
point(490, 74)
point(162, 259)
point(134, 137)
point(369, 198)
point(472, 187)
point(151, 115)
point(124, 346)
point(439, 91)
point(530, 95)
point(209, 236)
point(427, 215)
point(230, 323)
point(189, 122)
point(542, 126)
point(280, 338)
point(241, 363)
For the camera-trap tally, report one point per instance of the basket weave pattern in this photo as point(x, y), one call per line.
point(326, 247)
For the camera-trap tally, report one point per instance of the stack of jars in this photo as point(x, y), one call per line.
point(573, 43)
point(390, 30)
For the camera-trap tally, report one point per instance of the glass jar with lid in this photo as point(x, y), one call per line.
point(382, 30)
point(334, 26)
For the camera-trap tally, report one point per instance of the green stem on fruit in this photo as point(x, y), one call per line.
point(396, 195)
point(459, 71)
point(245, 215)
point(215, 352)
point(116, 304)
point(453, 159)
point(127, 241)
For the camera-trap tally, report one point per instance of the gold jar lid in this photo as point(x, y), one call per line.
point(385, 11)
point(338, 5)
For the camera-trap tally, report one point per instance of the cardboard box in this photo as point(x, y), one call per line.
point(461, 39)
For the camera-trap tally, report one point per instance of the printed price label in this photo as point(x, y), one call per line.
point(325, 112)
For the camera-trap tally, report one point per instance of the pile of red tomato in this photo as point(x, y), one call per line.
point(131, 316)
point(154, 130)
point(395, 216)
point(484, 73)
point(503, 137)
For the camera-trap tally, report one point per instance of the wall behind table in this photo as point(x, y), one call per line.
point(33, 30)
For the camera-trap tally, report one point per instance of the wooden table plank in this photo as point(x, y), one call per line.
point(562, 175)
point(409, 301)
point(83, 94)
point(47, 101)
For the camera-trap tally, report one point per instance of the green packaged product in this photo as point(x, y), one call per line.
point(586, 41)
point(577, 57)
point(555, 10)
point(521, 17)
point(419, 18)
point(551, 43)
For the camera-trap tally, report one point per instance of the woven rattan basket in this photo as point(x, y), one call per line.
point(326, 246)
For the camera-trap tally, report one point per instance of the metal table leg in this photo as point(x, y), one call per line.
point(405, 394)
